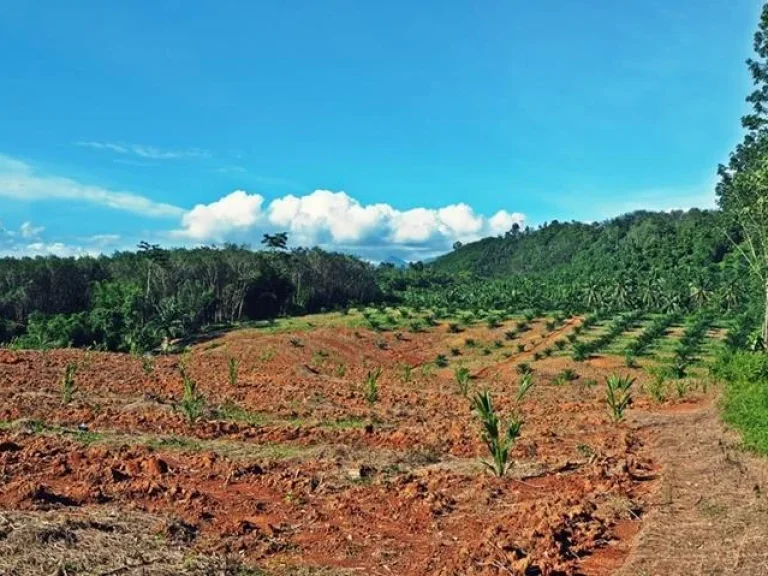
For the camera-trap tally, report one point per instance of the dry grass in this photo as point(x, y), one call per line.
point(103, 543)
point(710, 514)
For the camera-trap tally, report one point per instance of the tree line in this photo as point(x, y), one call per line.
point(135, 300)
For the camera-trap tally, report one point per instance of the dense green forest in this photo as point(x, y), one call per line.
point(659, 262)
point(133, 300)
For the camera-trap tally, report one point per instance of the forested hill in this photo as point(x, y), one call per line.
point(659, 241)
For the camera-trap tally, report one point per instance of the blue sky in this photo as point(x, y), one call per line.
point(388, 128)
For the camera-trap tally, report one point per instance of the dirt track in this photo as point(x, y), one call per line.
point(709, 515)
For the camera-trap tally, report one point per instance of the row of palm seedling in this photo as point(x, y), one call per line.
point(589, 322)
point(654, 331)
point(689, 343)
point(582, 349)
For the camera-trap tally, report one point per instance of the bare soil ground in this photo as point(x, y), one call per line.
point(290, 471)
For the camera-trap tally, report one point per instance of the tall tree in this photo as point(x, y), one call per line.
point(277, 241)
point(743, 188)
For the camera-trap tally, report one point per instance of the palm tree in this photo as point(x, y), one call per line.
point(700, 292)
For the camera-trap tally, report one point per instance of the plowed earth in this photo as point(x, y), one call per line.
point(292, 468)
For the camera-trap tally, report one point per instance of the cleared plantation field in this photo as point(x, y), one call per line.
point(282, 461)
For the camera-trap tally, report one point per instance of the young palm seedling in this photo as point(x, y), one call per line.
point(68, 383)
point(147, 364)
point(618, 395)
point(463, 379)
point(656, 386)
point(192, 401)
point(565, 376)
point(524, 386)
point(497, 440)
point(372, 386)
point(681, 387)
point(580, 351)
point(407, 373)
point(233, 366)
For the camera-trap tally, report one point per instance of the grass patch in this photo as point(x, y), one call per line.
point(745, 397)
point(343, 423)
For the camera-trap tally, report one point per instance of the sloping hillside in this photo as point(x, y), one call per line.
point(640, 240)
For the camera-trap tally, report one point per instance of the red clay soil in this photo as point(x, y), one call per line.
point(429, 522)
point(576, 513)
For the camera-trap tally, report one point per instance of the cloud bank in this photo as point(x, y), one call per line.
point(333, 220)
point(336, 220)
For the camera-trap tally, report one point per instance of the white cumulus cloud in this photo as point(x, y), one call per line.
point(233, 213)
point(503, 221)
point(338, 221)
point(328, 217)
